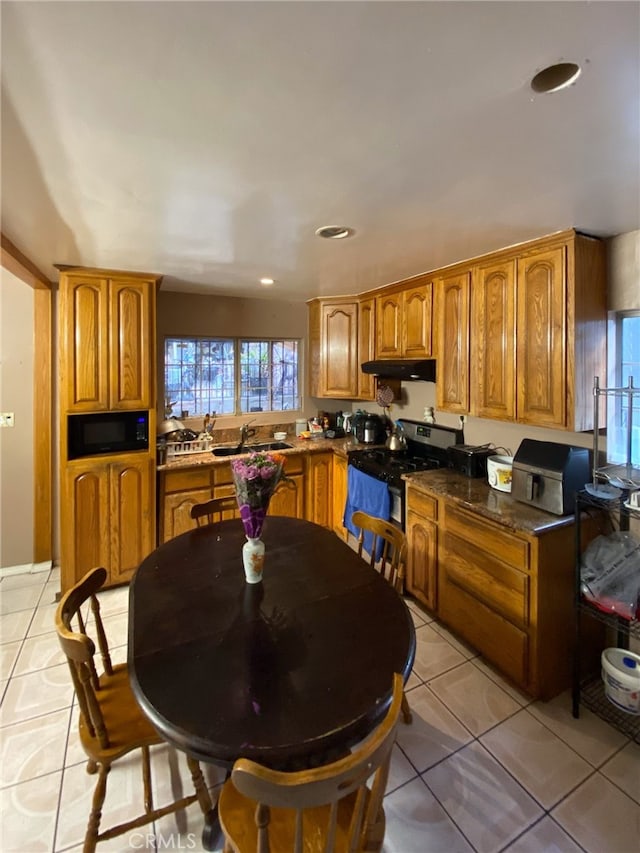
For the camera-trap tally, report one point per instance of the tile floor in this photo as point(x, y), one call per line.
point(481, 768)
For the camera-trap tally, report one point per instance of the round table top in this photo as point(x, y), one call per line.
point(280, 671)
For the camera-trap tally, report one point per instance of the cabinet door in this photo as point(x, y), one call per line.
point(84, 343)
point(389, 325)
point(366, 347)
point(340, 350)
point(452, 311)
point(132, 490)
point(318, 498)
point(339, 492)
point(541, 346)
point(417, 307)
point(288, 498)
point(176, 511)
point(422, 564)
point(85, 513)
point(315, 355)
point(130, 345)
point(493, 342)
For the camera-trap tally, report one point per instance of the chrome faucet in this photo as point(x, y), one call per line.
point(245, 433)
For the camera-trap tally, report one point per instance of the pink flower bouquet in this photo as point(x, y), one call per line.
point(255, 479)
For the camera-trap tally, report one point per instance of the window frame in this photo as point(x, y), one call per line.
point(238, 342)
point(617, 379)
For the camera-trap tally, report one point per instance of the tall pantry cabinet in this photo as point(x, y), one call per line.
point(107, 355)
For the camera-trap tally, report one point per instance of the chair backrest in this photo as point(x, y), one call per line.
point(80, 649)
point(214, 510)
point(394, 546)
point(352, 790)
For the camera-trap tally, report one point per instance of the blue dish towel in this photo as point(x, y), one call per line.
point(369, 495)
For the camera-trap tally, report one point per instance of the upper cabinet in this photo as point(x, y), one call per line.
point(452, 342)
point(341, 336)
point(107, 344)
point(522, 333)
point(403, 321)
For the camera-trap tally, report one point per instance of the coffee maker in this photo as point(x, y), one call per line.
point(369, 428)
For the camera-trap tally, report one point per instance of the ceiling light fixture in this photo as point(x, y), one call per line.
point(266, 281)
point(556, 77)
point(334, 232)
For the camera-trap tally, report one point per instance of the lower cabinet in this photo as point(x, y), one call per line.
point(107, 516)
point(508, 593)
point(339, 494)
point(178, 492)
point(422, 554)
point(318, 489)
point(288, 498)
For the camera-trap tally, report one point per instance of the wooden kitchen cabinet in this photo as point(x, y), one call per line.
point(341, 337)
point(452, 342)
point(493, 341)
point(178, 492)
point(404, 321)
point(107, 341)
point(318, 488)
point(288, 499)
point(367, 383)
point(538, 333)
point(339, 492)
point(422, 547)
point(107, 508)
point(510, 595)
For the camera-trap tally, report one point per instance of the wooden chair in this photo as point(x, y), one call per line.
point(111, 722)
point(391, 563)
point(210, 511)
point(328, 808)
point(394, 547)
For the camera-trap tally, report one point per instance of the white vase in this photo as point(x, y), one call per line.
point(253, 559)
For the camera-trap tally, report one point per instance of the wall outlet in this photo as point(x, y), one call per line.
point(6, 419)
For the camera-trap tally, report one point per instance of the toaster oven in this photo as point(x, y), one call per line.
point(469, 460)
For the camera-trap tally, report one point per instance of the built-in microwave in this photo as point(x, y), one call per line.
point(107, 432)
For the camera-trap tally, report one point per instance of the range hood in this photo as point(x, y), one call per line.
point(402, 368)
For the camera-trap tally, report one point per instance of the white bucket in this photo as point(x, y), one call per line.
point(499, 471)
point(621, 676)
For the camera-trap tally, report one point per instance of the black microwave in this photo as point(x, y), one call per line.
point(107, 432)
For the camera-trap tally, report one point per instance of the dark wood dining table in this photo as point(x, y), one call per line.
point(286, 672)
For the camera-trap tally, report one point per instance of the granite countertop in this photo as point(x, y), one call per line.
point(477, 496)
point(306, 446)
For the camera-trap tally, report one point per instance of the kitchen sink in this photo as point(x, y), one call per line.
point(251, 448)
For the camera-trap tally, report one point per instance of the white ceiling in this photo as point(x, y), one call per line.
point(207, 141)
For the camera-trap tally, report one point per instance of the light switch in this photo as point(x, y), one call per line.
point(6, 419)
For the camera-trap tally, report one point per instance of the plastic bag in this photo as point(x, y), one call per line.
point(610, 573)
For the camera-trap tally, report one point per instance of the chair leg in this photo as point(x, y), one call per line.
point(92, 767)
point(407, 716)
point(202, 791)
point(91, 836)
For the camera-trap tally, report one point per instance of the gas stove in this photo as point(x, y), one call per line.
point(426, 449)
point(389, 466)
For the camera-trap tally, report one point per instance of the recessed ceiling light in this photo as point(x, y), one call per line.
point(334, 232)
point(556, 77)
point(266, 281)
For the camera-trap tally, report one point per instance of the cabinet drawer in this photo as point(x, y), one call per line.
point(497, 639)
point(423, 505)
point(180, 481)
point(492, 538)
point(501, 587)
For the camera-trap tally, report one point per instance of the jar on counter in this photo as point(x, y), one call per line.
point(301, 426)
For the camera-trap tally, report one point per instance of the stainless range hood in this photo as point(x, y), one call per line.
point(408, 369)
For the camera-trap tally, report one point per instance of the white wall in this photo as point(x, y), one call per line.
point(16, 445)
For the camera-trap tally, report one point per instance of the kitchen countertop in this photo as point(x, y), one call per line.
point(306, 446)
point(477, 496)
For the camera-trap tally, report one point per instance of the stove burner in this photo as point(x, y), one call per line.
point(388, 466)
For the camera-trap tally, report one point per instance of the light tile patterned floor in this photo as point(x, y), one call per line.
point(482, 768)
